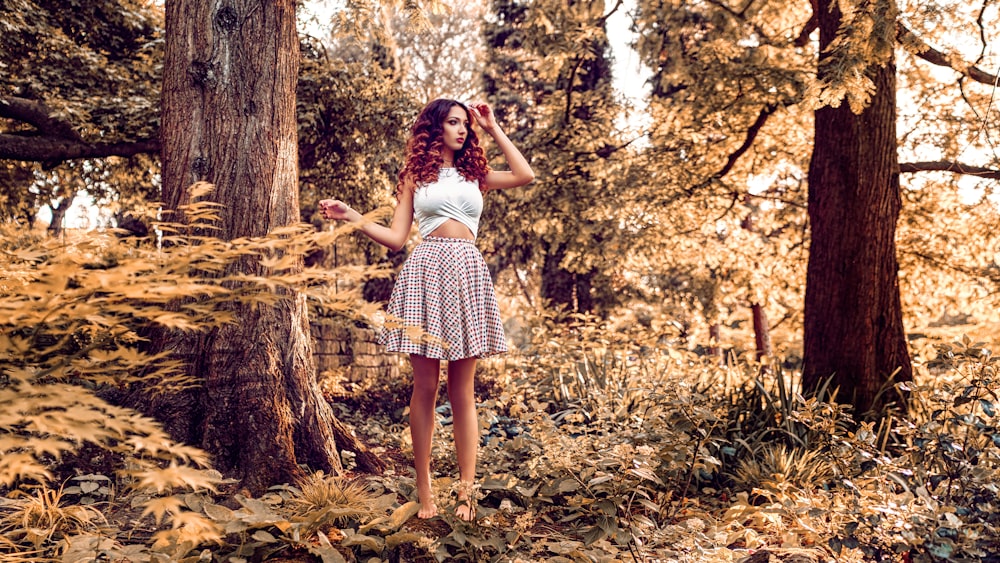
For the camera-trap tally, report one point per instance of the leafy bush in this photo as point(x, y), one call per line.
point(73, 315)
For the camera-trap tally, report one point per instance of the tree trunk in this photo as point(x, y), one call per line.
point(715, 343)
point(59, 214)
point(564, 290)
point(761, 332)
point(853, 316)
point(229, 118)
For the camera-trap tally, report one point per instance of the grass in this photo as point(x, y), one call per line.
point(41, 516)
point(624, 450)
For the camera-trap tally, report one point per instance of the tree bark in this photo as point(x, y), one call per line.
point(853, 316)
point(229, 118)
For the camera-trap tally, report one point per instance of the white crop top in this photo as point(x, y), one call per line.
point(451, 197)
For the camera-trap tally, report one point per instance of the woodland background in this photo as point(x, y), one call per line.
point(752, 308)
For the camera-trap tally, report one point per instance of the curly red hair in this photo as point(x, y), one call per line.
point(423, 150)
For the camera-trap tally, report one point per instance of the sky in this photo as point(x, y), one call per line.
point(630, 76)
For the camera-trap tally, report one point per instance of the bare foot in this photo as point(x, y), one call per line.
point(425, 496)
point(465, 507)
point(427, 510)
point(465, 510)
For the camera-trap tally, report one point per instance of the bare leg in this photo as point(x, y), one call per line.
point(422, 402)
point(461, 393)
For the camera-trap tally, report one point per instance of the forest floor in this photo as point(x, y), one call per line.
point(372, 410)
point(592, 451)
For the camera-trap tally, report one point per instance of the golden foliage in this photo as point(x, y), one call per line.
point(43, 515)
point(778, 464)
point(866, 38)
point(362, 18)
point(637, 453)
point(73, 318)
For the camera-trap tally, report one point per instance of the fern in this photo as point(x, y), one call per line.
point(73, 315)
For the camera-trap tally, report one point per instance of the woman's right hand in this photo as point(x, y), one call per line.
point(336, 210)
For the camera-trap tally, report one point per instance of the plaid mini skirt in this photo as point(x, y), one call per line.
point(443, 305)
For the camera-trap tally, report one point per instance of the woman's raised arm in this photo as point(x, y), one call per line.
point(520, 172)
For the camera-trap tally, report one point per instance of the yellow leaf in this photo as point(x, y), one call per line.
point(159, 507)
point(21, 466)
point(175, 476)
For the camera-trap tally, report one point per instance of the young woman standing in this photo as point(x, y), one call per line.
point(444, 289)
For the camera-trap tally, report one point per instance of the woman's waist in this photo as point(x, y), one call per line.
point(447, 239)
point(448, 229)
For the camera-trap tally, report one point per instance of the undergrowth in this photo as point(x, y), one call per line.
point(597, 445)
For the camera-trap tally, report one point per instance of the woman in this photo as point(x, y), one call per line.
point(444, 298)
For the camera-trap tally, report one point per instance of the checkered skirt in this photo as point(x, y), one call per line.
point(443, 304)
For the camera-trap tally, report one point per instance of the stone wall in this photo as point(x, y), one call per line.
point(350, 351)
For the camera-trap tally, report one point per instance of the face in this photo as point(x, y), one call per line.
point(456, 128)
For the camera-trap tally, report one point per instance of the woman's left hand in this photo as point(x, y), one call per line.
point(483, 115)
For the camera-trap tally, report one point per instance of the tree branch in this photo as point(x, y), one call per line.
point(752, 133)
point(603, 19)
point(38, 115)
point(803, 39)
point(54, 140)
point(947, 264)
point(932, 55)
point(948, 166)
point(57, 149)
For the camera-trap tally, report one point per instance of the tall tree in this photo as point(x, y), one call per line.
point(854, 326)
point(228, 118)
point(853, 315)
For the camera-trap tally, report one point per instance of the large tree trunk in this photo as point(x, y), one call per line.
point(853, 317)
point(229, 119)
